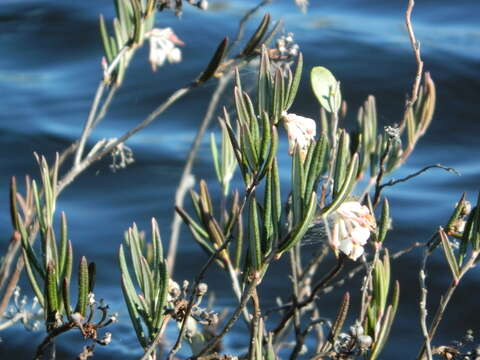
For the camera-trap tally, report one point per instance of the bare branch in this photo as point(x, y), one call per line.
point(416, 51)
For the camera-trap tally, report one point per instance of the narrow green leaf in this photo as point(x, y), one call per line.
point(272, 152)
point(66, 299)
point(14, 215)
point(214, 63)
point(254, 235)
point(161, 295)
point(148, 289)
point(449, 255)
point(82, 287)
point(134, 316)
point(30, 257)
point(297, 76)
point(33, 280)
point(51, 291)
point(63, 243)
point(341, 162)
point(105, 40)
point(264, 83)
point(315, 167)
point(68, 262)
point(257, 36)
point(92, 273)
point(384, 225)
point(299, 231)
point(346, 187)
point(216, 163)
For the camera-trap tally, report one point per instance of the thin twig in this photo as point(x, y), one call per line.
point(381, 172)
point(350, 275)
point(247, 293)
point(255, 327)
point(244, 20)
point(185, 183)
point(444, 300)
point(17, 317)
point(392, 182)
point(8, 259)
point(49, 338)
point(416, 51)
point(320, 285)
point(295, 298)
point(423, 309)
point(200, 276)
point(92, 115)
point(85, 163)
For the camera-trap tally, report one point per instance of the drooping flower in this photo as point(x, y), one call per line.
point(300, 130)
point(163, 47)
point(352, 227)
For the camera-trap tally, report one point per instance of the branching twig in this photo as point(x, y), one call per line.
point(392, 182)
point(52, 335)
point(85, 163)
point(444, 300)
point(247, 293)
point(92, 115)
point(319, 286)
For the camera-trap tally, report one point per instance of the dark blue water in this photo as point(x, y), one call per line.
point(49, 70)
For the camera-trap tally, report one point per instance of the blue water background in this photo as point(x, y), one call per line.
point(49, 70)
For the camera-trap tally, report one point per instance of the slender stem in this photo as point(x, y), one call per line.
point(255, 327)
point(50, 337)
point(423, 311)
point(105, 105)
point(319, 286)
point(247, 293)
point(13, 320)
point(87, 128)
point(7, 261)
point(200, 276)
point(381, 172)
point(185, 183)
point(92, 115)
point(445, 299)
point(295, 298)
point(416, 51)
point(85, 163)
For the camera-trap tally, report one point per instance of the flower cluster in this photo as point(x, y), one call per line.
point(163, 47)
point(301, 131)
point(352, 227)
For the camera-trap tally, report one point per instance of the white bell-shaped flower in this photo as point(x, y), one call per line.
point(163, 47)
point(352, 228)
point(300, 130)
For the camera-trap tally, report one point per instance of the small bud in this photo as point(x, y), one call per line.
point(202, 289)
point(364, 341)
point(91, 299)
point(203, 4)
point(114, 318)
point(107, 338)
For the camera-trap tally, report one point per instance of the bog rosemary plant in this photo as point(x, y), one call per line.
point(333, 196)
